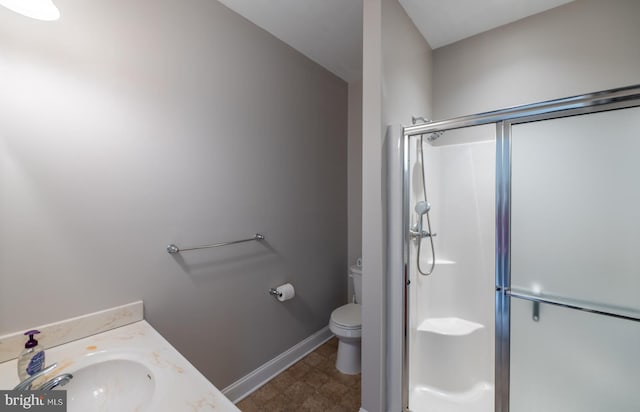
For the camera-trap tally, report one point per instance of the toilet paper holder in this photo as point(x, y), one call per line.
point(283, 292)
point(274, 292)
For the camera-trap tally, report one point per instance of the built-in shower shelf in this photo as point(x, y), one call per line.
point(449, 326)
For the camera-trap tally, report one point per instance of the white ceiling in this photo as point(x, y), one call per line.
point(330, 31)
point(443, 22)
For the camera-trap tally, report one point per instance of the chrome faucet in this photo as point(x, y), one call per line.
point(25, 385)
point(59, 380)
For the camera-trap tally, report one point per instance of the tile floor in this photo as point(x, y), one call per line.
point(312, 384)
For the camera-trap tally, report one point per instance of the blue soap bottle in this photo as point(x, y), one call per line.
point(31, 359)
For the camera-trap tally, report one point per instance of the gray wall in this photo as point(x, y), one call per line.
point(397, 84)
point(406, 73)
point(127, 127)
point(581, 47)
point(355, 171)
point(373, 372)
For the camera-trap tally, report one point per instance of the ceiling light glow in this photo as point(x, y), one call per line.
point(36, 9)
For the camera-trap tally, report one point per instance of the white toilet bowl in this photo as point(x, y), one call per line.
point(346, 324)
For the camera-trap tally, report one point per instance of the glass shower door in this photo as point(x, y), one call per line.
point(575, 264)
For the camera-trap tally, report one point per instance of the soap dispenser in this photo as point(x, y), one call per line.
point(31, 360)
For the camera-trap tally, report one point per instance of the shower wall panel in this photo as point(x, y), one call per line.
point(451, 313)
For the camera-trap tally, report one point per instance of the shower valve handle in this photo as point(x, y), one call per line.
point(414, 233)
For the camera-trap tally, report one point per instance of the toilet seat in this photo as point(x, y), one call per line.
point(348, 317)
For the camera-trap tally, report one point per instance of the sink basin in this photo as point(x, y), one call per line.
point(131, 368)
point(117, 385)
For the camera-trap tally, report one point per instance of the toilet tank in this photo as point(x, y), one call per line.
point(355, 273)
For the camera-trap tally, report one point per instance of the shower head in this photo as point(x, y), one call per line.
point(422, 208)
point(432, 137)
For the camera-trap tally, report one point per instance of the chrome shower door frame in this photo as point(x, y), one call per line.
point(504, 119)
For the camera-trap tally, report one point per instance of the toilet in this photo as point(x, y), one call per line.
point(346, 324)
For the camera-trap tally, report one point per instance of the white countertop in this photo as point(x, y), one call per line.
point(178, 384)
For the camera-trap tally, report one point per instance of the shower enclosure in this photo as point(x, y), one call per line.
point(533, 303)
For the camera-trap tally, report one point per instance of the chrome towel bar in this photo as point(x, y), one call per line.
point(175, 249)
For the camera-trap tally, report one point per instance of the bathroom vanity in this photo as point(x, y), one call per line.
point(128, 368)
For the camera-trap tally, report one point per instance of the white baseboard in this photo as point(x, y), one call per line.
point(246, 385)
